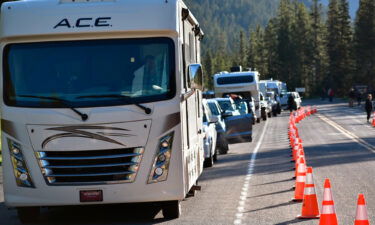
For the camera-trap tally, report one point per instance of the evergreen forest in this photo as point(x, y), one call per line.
point(302, 43)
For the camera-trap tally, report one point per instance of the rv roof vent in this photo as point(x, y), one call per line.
point(236, 69)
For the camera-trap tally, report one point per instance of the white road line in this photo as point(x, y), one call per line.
point(348, 134)
point(250, 170)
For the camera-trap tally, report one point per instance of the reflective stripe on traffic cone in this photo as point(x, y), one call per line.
point(300, 161)
point(310, 209)
point(300, 182)
point(328, 215)
point(361, 217)
point(295, 153)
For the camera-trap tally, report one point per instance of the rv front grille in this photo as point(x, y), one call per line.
point(90, 167)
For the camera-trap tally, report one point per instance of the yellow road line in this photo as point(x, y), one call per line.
point(348, 134)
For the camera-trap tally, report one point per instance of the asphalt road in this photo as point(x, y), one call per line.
point(252, 184)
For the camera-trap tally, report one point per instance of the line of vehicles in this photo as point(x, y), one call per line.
point(239, 101)
point(102, 104)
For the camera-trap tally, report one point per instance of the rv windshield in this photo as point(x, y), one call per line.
point(88, 73)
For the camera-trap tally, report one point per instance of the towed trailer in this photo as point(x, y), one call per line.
point(101, 103)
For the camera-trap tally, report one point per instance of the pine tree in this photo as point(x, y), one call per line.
point(285, 56)
point(221, 61)
point(364, 43)
point(333, 38)
point(345, 48)
point(255, 53)
point(319, 51)
point(302, 42)
point(242, 49)
point(208, 70)
point(270, 50)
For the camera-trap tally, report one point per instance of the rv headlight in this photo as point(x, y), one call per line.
point(160, 167)
point(21, 172)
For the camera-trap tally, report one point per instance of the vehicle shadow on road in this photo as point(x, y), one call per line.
point(273, 206)
point(273, 193)
point(337, 154)
point(291, 222)
point(90, 215)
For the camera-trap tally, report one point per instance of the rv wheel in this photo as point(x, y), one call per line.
point(28, 214)
point(172, 210)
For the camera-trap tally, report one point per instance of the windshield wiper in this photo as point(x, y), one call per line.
point(65, 103)
point(146, 109)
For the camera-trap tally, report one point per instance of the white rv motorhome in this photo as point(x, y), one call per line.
point(101, 103)
point(244, 83)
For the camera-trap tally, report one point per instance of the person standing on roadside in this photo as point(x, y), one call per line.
point(323, 94)
point(368, 107)
point(351, 97)
point(330, 94)
point(292, 105)
point(359, 97)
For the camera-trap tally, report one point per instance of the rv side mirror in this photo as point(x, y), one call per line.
point(196, 76)
point(213, 120)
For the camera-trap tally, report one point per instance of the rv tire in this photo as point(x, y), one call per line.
point(172, 210)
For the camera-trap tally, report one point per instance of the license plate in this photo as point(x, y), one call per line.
point(91, 196)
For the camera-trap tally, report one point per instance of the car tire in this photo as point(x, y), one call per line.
point(269, 115)
point(28, 214)
point(258, 120)
point(215, 156)
point(172, 210)
point(224, 149)
point(279, 110)
point(274, 113)
point(209, 162)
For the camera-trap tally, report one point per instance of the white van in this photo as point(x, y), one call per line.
point(101, 103)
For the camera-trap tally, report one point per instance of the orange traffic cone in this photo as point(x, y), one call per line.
point(373, 120)
point(295, 152)
point(310, 209)
point(328, 216)
point(361, 217)
point(300, 161)
point(300, 182)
